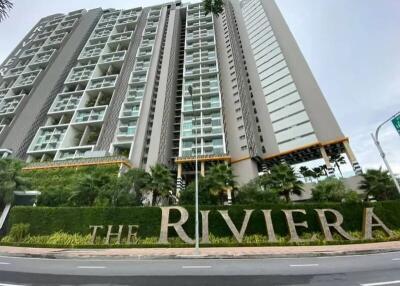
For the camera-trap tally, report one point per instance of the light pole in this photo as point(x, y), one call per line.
point(383, 155)
point(197, 243)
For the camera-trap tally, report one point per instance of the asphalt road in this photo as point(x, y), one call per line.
point(361, 270)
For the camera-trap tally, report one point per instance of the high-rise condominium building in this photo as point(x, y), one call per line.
point(144, 85)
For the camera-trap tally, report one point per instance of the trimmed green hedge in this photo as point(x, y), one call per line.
point(44, 221)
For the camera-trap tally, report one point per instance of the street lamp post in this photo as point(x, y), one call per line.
point(382, 153)
point(197, 243)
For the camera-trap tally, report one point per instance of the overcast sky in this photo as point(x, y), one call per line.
point(352, 47)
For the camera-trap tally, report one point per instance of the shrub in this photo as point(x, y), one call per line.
point(46, 221)
point(19, 231)
point(333, 190)
point(62, 238)
point(255, 193)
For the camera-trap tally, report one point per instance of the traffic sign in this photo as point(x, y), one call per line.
point(396, 123)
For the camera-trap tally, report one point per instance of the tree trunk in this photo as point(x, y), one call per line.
point(154, 198)
point(340, 171)
point(287, 196)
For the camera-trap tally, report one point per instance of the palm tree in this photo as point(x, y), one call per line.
point(160, 182)
point(284, 180)
point(213, 6)
point(11, 180)
point(5, 6)
point(89, 189)
point(304, 171)
point(324, 170)
point(337, 159)
point(379, 184)
point(222, 180)
point(135, 181)
point(317, 172)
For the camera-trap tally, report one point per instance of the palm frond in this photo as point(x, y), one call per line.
point(5, 7)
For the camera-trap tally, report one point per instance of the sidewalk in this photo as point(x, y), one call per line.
point(217, 252)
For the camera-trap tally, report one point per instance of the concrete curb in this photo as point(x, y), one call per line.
point(208, 253)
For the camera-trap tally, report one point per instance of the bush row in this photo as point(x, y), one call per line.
point(47, 221)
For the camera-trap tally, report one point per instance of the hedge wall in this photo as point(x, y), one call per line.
point(44, 220)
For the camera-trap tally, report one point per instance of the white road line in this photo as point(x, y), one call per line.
point(396, 259)
point(304, 265)
point(382, 283)
point(4, 284)
point(91, 267)
point(4, 263)
point(196, 267)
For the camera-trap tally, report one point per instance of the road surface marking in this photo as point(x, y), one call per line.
point(396, 259)
point(91, 267)
point(4, 263)
point(196, 267)
point(382, 283)
point(304, 265)
point(4, 284)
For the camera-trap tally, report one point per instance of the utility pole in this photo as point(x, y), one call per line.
point(382, 153)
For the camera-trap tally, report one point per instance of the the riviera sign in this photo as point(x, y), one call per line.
point(370, 221)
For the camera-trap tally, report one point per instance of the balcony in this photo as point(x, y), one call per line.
point(9, 105)
point(26, 79)
point(54, 22)
point(105, 25)
point(91, 52)
point(139, 77)
point(144, 52)
point(41, 58)
point(130, 12)
point(80, 74)
point(109, 17)
point(150, 31)
point(66, 24)
point(90, 115)
point(113, 57)
point(15, 72)
point(30, 52)
point(66, 102)
point(101, 33)
point(103, 82)
point(130, 110)
point(48, 138)
point(121, 37)
point(42, 36)
point(56, 39)
point(127, 129)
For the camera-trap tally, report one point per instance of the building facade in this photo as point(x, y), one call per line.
point(164, 84)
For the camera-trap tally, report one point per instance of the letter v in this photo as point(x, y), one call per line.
point(238, 235)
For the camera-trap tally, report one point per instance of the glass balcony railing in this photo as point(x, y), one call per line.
point(26, 79)
point(48, 139)
point(121, 36)
point(9, 105)
point(80, 74)
point(91, 52)
point(114, 57)
point(90, 115)
point(103, 82)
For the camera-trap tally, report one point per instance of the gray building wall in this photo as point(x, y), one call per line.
point(160, 147)
point(323, 121)
point(139, 144)
point(265, 124)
